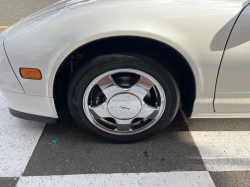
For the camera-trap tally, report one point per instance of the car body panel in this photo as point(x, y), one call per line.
point(36, 105)
point(233, 87)
point(196, 29)
point(232, 115)
point(8, 80)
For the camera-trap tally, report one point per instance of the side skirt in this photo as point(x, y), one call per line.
point(220, 115)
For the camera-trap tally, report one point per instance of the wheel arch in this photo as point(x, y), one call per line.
point(178, 64)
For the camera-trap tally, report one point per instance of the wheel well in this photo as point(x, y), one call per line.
point(169, 57)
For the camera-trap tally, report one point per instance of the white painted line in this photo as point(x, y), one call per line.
point(18, 139)
point(223, 144)
point(224, 151)
point(171, 179)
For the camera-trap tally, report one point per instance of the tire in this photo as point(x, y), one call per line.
point(166, 90)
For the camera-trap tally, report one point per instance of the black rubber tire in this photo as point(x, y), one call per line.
point(98, 65)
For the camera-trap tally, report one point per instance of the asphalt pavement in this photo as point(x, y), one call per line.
point(13, 10)
point(197, 152)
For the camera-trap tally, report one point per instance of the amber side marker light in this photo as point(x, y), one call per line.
point(28, 73)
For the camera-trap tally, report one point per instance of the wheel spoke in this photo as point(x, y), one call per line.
point(142, 87)
point(108, 87)
point(148, 112)
point(99, 111)
point(123, 125)
point(145, 83)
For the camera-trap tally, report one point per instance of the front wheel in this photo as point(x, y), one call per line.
point(123, 97)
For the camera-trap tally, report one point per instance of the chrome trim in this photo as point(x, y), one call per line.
point(130, 99)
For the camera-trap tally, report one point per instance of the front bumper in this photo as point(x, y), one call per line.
point(31, 107)
point(33, 117)
point(21, 105)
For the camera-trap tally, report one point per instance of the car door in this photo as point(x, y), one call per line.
point(233, 84)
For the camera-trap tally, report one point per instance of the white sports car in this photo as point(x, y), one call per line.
point(123, 67)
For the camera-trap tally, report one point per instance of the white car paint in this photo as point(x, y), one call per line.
point(31, 104)
point(197, 29)
point(8, 80)
point(233, 88)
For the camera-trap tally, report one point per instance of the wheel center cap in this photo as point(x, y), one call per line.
point(124, 106)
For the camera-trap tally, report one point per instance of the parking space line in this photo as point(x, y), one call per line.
point(177, 179)
point(4, 27)
point(18, 140)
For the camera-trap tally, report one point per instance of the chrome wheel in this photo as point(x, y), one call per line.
point(124, 101)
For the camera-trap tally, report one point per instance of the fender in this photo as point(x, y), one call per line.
point(190, 27)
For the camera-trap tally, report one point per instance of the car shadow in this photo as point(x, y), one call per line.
point(78, 152)
point(242, 36)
